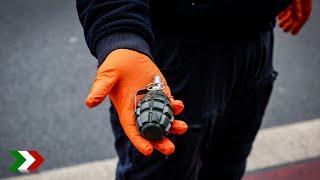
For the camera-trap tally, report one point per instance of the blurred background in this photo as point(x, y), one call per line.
point(46, 71)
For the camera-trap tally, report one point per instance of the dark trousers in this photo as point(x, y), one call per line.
point(225, 82)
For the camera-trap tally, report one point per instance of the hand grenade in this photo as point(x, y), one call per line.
point(154, 112)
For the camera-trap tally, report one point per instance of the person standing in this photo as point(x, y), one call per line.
point(215, 56)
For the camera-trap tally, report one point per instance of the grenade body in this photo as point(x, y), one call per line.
point(154, 115)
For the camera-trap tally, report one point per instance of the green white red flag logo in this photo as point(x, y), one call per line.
point(26, 161)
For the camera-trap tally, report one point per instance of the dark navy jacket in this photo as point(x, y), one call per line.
point(114, 24)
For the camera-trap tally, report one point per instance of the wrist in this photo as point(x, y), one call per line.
point(122, 40)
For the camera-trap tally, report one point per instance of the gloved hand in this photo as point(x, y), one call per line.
point(295, 16)
point(120, 76)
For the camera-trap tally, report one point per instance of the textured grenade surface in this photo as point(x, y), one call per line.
point(154, 115)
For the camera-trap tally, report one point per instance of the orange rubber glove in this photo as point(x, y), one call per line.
point(120, 76)
point(295, 16)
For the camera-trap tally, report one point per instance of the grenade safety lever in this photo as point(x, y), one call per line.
point(154, 112)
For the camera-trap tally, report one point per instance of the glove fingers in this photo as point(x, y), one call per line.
point(178, 127)
point(100, 89)
point(285, 20)
point(297, 28)
point(287, 27)
point(281, 15)
point(307, 7)
point(128, 123)
point(164, 145)
point(304, 10)
point(142, 145)
point(177, 106)
point(284, 14)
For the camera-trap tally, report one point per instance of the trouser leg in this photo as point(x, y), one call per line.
point(237, 126)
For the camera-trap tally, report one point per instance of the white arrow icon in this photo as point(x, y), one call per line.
point(27, 163)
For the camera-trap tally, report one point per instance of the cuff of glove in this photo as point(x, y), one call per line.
point(121, 40)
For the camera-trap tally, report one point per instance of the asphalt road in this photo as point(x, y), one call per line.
point(46, 71)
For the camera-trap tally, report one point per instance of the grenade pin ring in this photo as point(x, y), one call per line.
point(155, 85)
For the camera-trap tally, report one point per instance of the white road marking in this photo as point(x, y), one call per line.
point(285, 144)
point(273, 146)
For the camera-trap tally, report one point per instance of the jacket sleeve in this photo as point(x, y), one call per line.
point(112, 24)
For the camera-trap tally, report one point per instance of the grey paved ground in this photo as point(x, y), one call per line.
point(46, 71)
